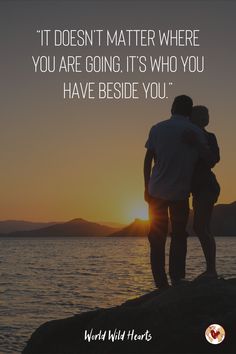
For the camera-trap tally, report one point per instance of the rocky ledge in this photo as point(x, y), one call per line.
point(174, 319)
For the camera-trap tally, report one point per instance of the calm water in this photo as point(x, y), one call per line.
point(44, 279)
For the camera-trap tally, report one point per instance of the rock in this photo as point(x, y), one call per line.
point(176, 319)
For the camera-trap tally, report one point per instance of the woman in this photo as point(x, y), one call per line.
point(205, 191)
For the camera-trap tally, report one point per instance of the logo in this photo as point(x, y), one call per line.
point(215, 334)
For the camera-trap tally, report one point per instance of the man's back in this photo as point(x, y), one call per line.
point(174, 159)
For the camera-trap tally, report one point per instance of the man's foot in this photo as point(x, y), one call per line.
point(177, 282)
point(164, 287)
point(206, 276)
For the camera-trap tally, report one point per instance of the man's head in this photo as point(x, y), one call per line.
point(200, 116)
point(182, 105)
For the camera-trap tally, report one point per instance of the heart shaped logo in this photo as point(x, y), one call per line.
point(214, 334)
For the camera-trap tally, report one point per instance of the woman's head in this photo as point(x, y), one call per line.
point(200, 116)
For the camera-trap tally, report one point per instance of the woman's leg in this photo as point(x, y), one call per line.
point(203, 207)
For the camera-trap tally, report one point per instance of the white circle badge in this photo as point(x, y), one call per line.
point(215, 334)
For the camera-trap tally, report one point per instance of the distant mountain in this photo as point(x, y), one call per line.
point(8, 226)
point(223, 224)
point(116, 225)
point(224, 220)
point(75, 227)
point(137, 228)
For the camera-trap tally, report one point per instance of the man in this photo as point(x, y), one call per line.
point(167, 187)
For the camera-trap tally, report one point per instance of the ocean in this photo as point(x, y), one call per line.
point(50, 278)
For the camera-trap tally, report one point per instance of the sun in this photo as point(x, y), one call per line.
point(137, 211)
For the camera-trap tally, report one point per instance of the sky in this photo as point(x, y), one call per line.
point(65, 159)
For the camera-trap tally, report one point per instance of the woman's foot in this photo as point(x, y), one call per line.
point(207, 275)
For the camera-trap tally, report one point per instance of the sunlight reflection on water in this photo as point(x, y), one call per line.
point(44, 279)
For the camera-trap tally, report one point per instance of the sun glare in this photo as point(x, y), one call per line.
point(138, 211)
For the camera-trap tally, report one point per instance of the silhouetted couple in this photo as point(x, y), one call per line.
point(182, 153)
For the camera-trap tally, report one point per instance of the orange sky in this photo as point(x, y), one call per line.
point(61, 160)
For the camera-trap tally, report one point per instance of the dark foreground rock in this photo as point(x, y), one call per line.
point(176, 318)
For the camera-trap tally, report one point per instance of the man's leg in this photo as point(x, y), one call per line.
point(158, 214)
point(179, 213)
